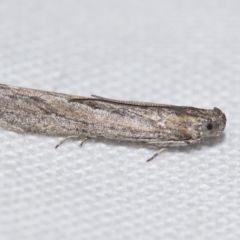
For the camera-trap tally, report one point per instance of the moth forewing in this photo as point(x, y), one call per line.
point(157, 125)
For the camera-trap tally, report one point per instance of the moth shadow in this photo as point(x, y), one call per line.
point(133, 146)
point(207, 142)
point(116, 143)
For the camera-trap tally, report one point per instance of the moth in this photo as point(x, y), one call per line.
point(156, 125)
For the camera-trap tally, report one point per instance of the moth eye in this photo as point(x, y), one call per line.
point(209, 126)
point(209, 129)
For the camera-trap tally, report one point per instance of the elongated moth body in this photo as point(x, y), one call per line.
point(158, 125)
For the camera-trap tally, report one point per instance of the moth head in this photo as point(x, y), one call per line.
point(215, 124)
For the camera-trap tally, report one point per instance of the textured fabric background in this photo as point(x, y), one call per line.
point(175, 52)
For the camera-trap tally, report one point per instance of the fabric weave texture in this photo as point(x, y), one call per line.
point(174, 52)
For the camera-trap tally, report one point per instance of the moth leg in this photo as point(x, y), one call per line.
point(66, 139)
point(190, 142)
point(154, 155)
point(83, 141)
point(139, 145)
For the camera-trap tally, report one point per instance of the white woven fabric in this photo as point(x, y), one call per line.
point(175, 52)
